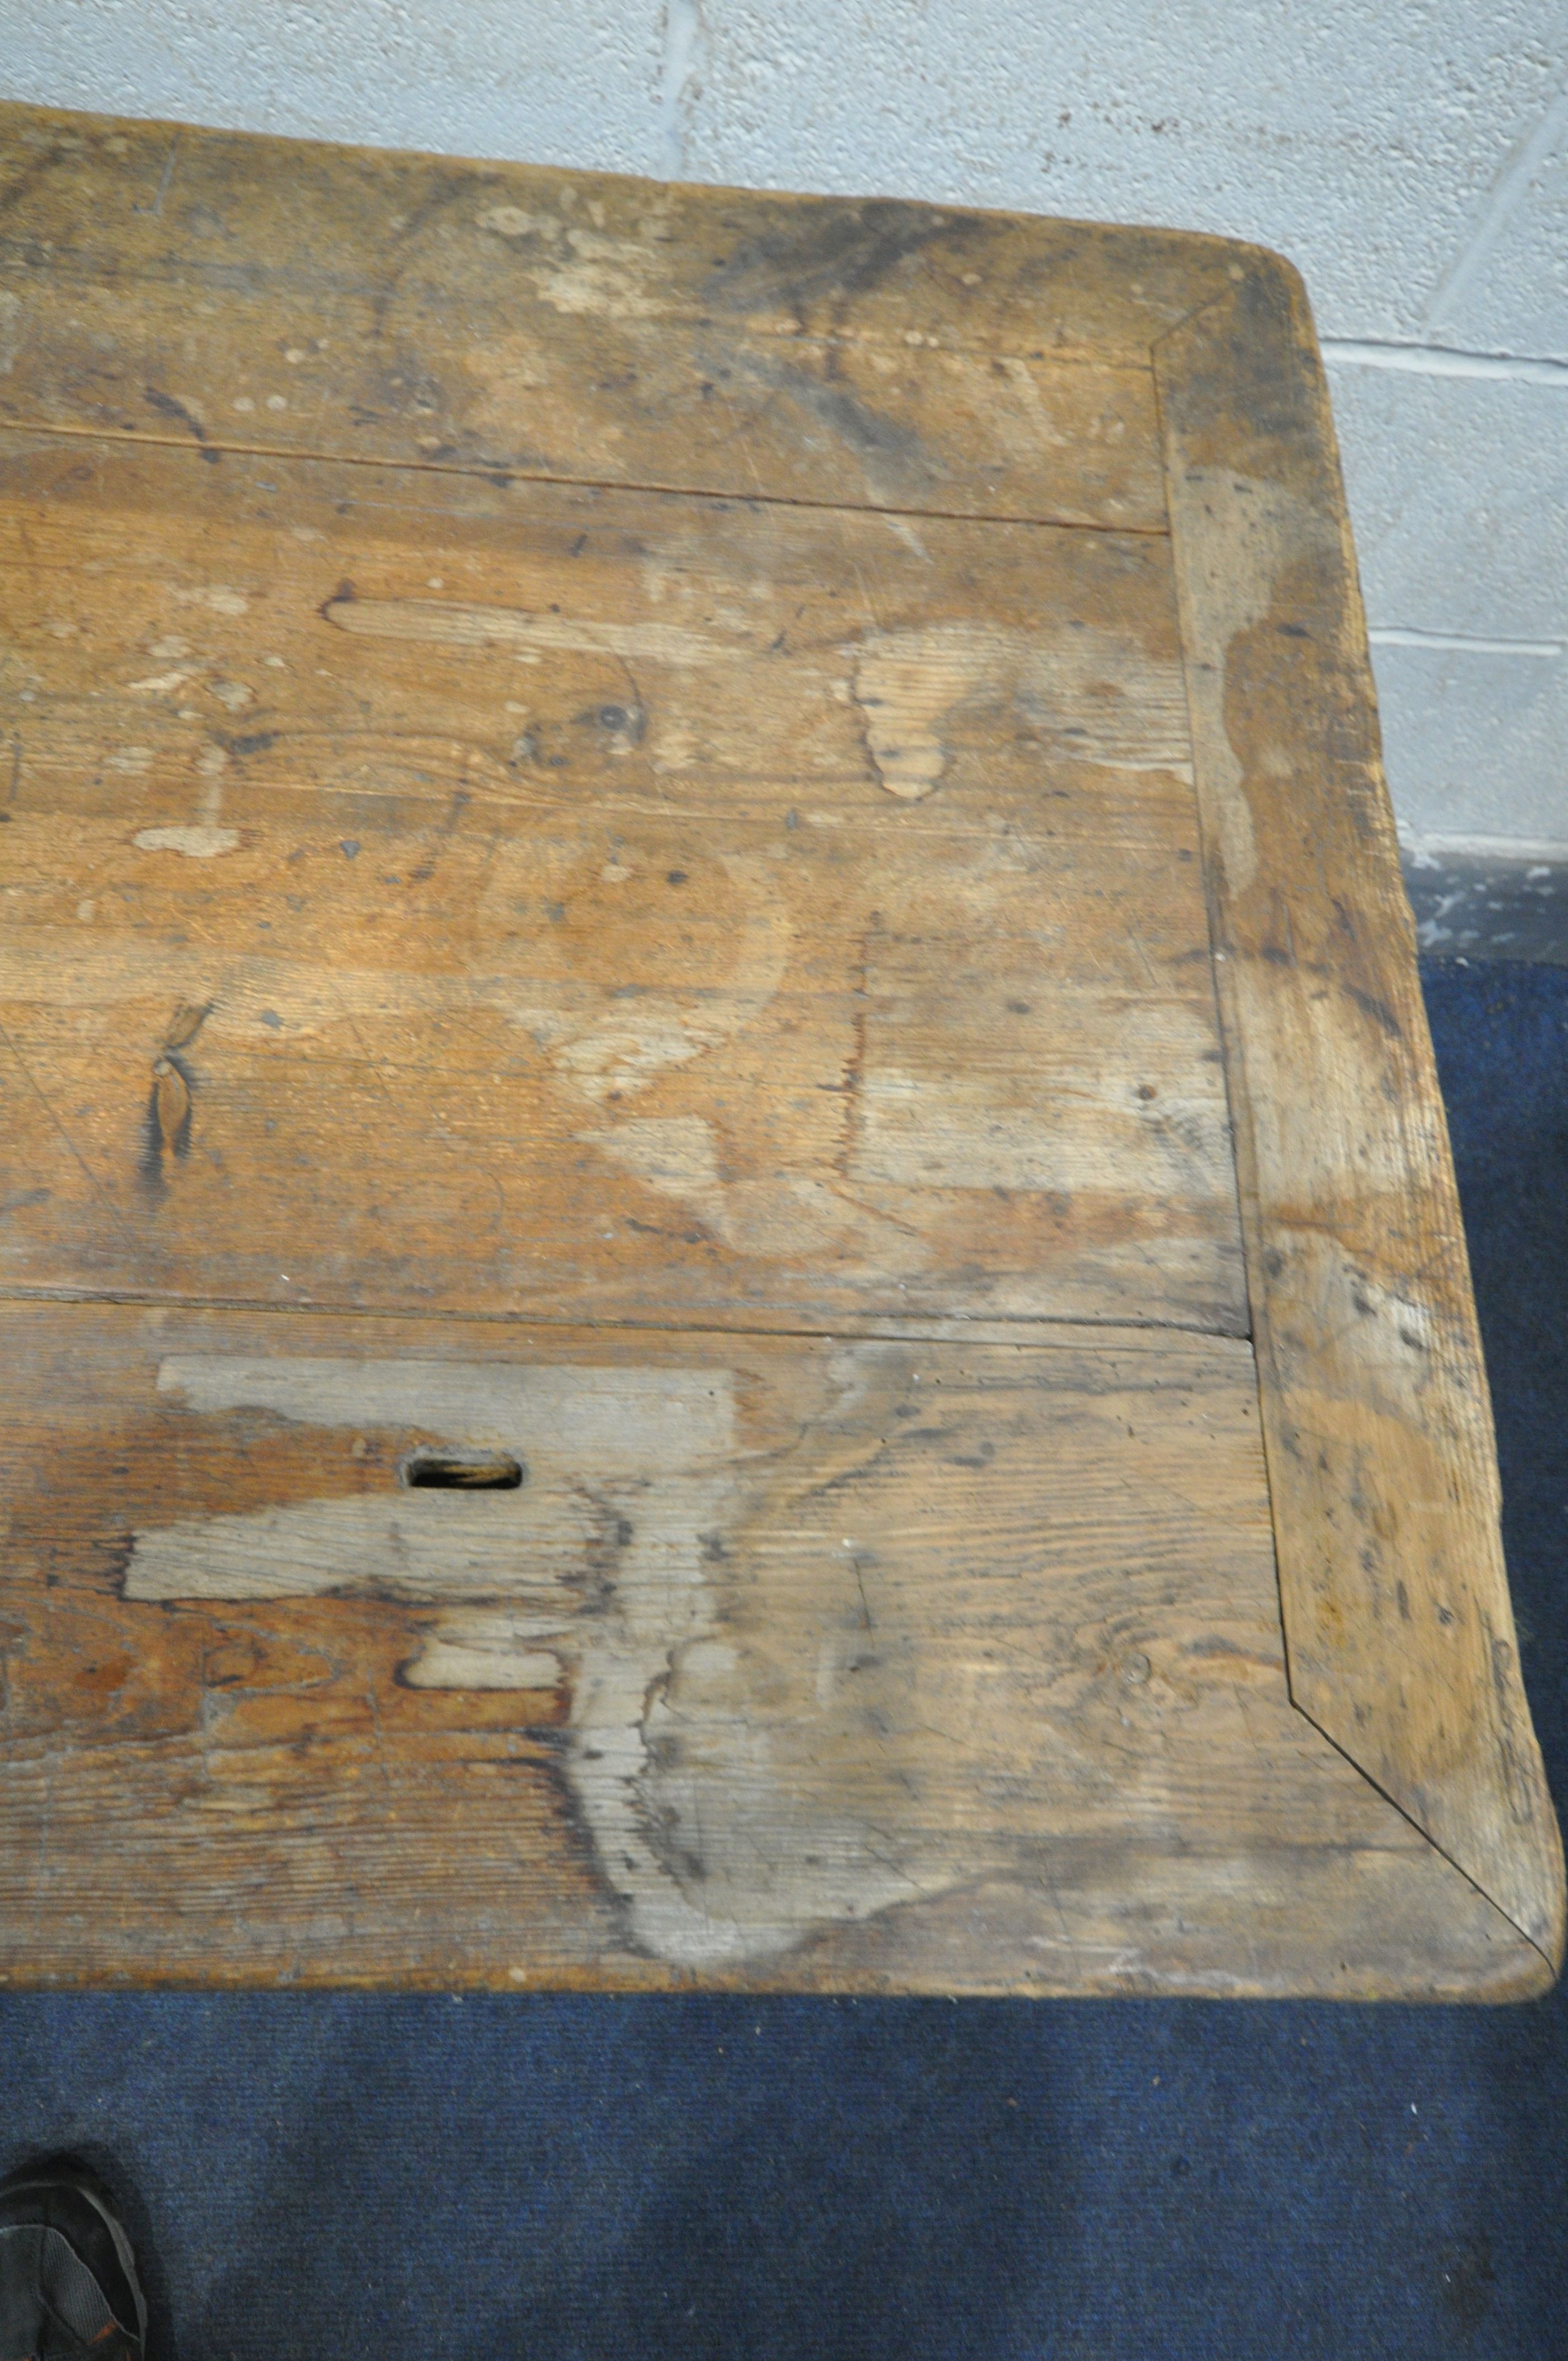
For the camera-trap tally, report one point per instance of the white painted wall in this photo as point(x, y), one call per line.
point(1411, 154)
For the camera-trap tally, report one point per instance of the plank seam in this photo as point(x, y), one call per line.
point(504, 476)
point(857, 1327)
point(1395, 1806)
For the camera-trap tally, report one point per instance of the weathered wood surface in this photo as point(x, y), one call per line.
point(1378, 1425)
point(865, 1665)
point(576, 752)
point(822, 909)
point(224, 290)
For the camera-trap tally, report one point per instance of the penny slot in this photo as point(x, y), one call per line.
point(462, 1471)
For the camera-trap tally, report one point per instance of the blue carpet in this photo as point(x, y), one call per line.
point(352, 2178)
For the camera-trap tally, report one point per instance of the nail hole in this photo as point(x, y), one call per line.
point(463, 1471)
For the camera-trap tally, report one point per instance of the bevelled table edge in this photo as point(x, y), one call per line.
point(1376, 1419)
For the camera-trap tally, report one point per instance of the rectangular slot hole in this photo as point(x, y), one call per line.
point(463, 1471)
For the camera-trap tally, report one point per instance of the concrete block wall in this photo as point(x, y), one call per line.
point(1411, 156)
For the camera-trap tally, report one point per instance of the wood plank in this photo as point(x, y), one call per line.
point(788, 1663)
point(1376, 1417)
point(535, 899)
point(231, 292)
point(716, 908)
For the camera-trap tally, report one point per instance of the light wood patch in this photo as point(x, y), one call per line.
point(786, 1662)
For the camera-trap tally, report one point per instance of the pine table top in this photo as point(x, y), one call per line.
point(729, 1252)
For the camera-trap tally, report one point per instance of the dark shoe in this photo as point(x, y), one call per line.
point(68, 2290)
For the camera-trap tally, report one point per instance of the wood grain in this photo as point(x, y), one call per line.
point(840, 1666)
point(1381, 1458)
point(223, 290)
point(612, 954)
point(744, 874)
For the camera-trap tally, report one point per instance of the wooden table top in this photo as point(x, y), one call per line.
point(729, 1252)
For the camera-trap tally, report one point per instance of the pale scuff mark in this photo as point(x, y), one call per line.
point(906, 685)
point(211, 765)
point(492, 1648)
point(530, 636)
point(600, 1042)
point(676, 1154)
point(643, 1414)
point(903, 530)
point(10, 329)
point(1044, 429)
point(514, 222)
point(1086, 694)
point(576, 269)
point(218, 598)
point(1227, 594)
point(198, 843)
point(768, 1219)
point(416, 1545)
